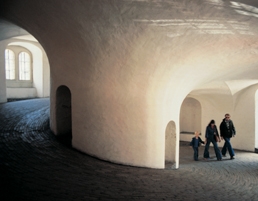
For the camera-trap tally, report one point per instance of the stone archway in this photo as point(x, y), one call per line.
point(63, 111)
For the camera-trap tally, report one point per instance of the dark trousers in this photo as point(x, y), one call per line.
point(206, 153)
point(196, 151)
point(227, 146)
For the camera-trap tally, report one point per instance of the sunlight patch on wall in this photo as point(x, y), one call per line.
point(216, 2)
point(180, 27)
point(244, 9)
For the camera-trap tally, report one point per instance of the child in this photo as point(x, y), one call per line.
point(195, 143)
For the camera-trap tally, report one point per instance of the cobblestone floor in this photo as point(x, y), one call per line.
point(35, 165)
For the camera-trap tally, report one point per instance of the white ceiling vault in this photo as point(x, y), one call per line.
point(219, 40)
point(9, 30)
point(221, 44)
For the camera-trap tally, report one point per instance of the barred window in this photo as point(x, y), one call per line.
point(24, 66)
point(9, 64)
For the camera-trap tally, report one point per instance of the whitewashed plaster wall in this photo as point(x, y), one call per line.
point(21, 92)
point(244, 118)
point(190, 119)
point(3, 98)
point(130, 64)
point(46, 75)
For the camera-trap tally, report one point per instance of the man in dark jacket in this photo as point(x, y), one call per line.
point(227, 130)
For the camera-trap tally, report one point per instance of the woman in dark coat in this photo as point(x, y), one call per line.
point(210, 135)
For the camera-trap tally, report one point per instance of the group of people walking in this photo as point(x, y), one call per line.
point(227, 131)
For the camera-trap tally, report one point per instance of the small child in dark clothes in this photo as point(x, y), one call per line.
point(195, 143)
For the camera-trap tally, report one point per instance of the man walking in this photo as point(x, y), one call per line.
point(227, 130)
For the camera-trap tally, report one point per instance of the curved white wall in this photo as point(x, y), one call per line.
point(130, 64)
point(244, 118)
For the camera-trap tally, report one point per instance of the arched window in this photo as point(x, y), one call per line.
point(9, 64)
point(19, 67)
point(24, 66)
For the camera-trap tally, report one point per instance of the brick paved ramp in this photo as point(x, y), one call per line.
point(35, 165)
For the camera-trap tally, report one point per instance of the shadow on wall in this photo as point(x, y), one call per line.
point(63, 111)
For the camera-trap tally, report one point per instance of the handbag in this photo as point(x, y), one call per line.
point(217, 138)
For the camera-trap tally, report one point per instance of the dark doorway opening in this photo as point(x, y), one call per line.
point(64, 115)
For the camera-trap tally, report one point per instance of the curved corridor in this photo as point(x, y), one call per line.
point(36, 165)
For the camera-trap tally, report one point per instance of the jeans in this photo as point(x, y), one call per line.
point(195, 153)
point(206, 153)
point(227, 146)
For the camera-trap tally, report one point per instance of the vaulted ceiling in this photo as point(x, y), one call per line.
point(216, 38)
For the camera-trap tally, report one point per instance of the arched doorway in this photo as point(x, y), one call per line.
point(170, 144)
point(256, 122)
point(63, 111)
